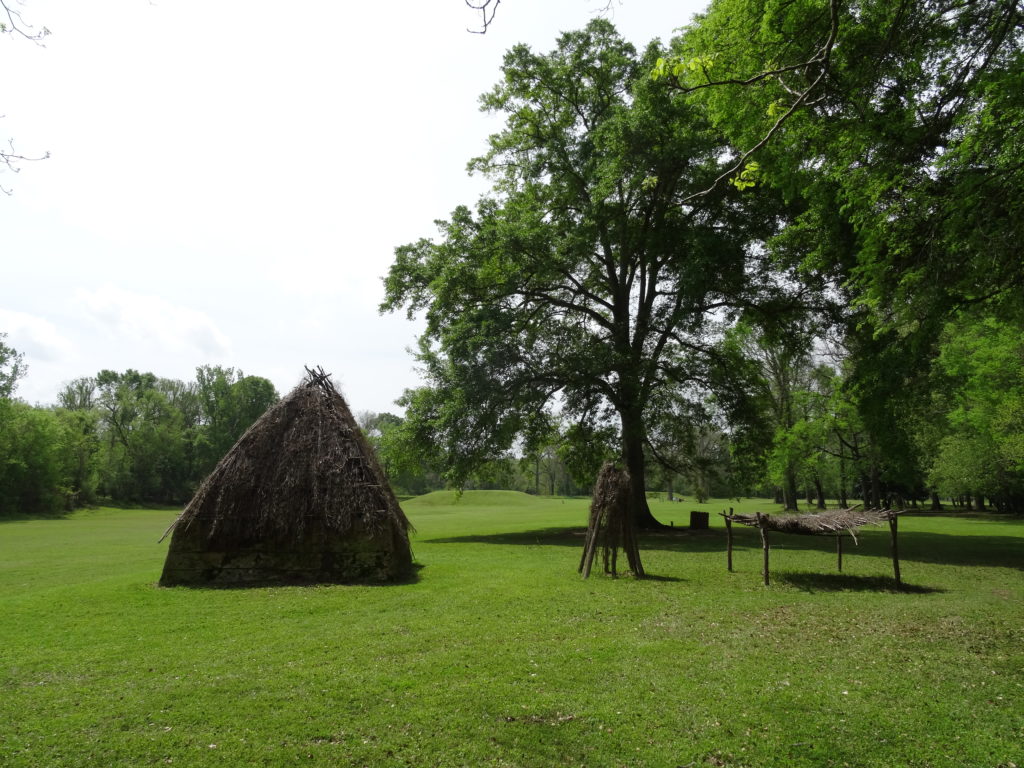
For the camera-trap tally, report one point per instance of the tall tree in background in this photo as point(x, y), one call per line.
point(228, 402)
point(580, 281)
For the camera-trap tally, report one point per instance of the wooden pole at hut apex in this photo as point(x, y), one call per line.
point(895, 548)
point(761, 524)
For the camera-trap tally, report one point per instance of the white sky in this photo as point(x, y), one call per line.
point(228, 180)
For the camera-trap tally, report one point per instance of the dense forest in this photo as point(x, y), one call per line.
point(127, 437)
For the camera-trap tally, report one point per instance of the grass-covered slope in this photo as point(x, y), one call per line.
point(500, 655)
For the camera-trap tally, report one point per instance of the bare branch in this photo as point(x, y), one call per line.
point(487, 10)
point(10, 158)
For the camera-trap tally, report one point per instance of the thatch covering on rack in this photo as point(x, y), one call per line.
point(829, 523)
point(300, 498)
point(611, 523)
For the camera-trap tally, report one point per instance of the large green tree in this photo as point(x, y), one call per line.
point(579, 283)
point(893, 132)
point(894, 129)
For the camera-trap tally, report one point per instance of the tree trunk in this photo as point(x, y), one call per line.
point(668, 489)
point(633, 456)
point(876, 487)
point(843, 504)
point(789, 489)
point(819, 491)
point(865, 490)
point(936, 502)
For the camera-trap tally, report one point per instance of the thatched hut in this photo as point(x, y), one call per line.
point(300, 498)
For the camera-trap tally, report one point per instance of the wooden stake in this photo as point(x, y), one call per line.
point(839, 551)
point(895, 548)
point(728, 542)
point(764, 546)
point(589, 548)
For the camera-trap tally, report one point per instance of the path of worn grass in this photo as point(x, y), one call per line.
point(500, 655)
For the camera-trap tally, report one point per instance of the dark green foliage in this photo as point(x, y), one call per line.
point(30, 465)
point(892, 131)
point(130, 437)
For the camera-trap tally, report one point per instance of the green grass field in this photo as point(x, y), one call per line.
point(500, 655)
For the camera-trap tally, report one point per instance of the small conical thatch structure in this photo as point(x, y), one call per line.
point(611, 523)
point(299, 499)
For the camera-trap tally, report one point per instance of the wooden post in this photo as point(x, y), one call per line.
point(839, 551)
point(895, 548)
point(728, 541)
point(764, 546)
point(586, 563)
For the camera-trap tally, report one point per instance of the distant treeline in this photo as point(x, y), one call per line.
point(126, 437)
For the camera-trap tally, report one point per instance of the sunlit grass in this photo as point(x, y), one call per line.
point(500, 655)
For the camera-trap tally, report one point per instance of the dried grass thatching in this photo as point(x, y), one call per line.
point(299, 498)
point(829, 523)
point(611, 523)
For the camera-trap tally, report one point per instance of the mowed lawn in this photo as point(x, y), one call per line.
point(500, 655)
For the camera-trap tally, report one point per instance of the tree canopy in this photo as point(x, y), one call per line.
point(579, 284)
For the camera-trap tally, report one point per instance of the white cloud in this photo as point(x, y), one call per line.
point(135, 318)
point(241, 179)
point(33, 336)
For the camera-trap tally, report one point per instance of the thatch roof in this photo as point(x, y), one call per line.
point(302, 474)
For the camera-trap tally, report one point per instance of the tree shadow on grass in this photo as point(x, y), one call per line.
point(915, 546)
point(546, 537)
point(667, 579)
point(676, 540)
point(841, 582)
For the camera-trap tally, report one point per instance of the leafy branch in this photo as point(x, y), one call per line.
point(742, 171)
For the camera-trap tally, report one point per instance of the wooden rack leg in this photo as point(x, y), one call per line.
point(764, 546)
point(839, 552)
point(728, 543)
